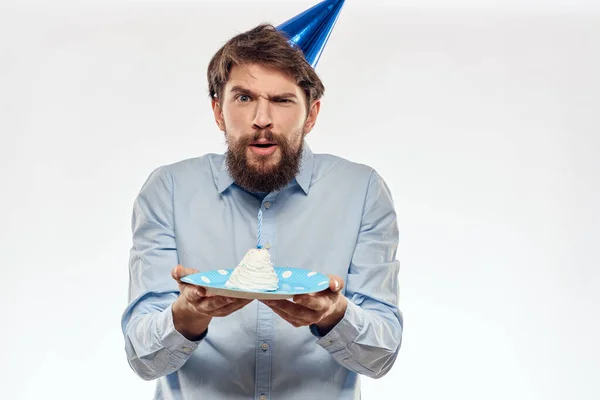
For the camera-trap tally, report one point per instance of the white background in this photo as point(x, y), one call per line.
point(483, 120)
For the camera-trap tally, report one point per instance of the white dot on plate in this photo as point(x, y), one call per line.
point(205, 279)
point(223, 272)
point(286, 274)
point(323, 283)
point(312, 273)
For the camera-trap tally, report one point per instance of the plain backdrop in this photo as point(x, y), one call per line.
point(483, 120)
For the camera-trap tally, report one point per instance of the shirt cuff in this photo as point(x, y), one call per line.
point(172, 340)
point(345, 332)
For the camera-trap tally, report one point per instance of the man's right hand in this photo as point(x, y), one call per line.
point(194, 309)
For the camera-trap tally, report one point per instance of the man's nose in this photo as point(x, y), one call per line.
point(262, 118)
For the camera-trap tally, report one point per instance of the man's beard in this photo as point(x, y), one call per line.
point(262, 176)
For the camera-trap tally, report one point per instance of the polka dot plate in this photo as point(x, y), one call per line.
point(292, 281)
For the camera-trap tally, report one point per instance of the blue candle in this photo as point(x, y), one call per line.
point(258, 246)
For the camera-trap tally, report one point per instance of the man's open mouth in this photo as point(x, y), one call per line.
point(263, 145)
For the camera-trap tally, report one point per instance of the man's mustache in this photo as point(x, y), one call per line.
point(264, 134)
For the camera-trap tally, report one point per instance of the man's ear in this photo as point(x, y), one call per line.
point(311, 119)
point(218, 113)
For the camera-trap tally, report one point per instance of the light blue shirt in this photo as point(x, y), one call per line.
point(336, 217)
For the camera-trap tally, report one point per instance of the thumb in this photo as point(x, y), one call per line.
point(179, 272)
point(176, 272)
point(335, 283)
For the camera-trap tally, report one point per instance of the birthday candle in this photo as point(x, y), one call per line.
point(259, 229)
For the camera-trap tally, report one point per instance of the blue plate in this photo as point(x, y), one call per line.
point(292, 281)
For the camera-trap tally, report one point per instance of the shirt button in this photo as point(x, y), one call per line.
point(267, 205)
point(267, 246)
point(187, 349)
point(264, 346)
point(263, 397)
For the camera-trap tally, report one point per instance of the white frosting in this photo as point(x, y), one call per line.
point(254, 272)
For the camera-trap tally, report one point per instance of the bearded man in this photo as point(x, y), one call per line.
point(319, 212)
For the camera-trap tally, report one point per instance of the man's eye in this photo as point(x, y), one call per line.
point(283, 100)
point(244, 98)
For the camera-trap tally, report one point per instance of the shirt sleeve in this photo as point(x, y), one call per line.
point(153, 346)
point(368, 338)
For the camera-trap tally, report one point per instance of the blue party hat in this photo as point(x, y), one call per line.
point(311, 29)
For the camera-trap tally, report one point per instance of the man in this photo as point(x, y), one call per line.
point(320, 212)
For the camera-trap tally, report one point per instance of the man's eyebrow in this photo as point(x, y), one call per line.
point(242, 90)
point(285, 95)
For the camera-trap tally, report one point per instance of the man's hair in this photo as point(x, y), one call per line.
point(268, 47)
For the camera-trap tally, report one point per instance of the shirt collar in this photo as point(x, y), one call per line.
point(224, 180)
point(304, 176)
point(306, 168)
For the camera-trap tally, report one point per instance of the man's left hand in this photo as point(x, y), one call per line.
point(325, 309)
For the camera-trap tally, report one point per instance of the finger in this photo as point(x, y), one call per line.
point(211, 304)
point(294, 311)
point(230, 308)
point(232, 301)
point(335, 283)
point(315, 302)
point(284, 305)
point(192, 293)
point(294, 321)
point(179, 272)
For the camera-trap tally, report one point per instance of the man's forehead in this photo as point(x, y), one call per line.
point(261, 79)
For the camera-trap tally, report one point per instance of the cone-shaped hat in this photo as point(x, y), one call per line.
point(311, 29)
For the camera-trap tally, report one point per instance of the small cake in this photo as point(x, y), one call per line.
point(254, 272)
